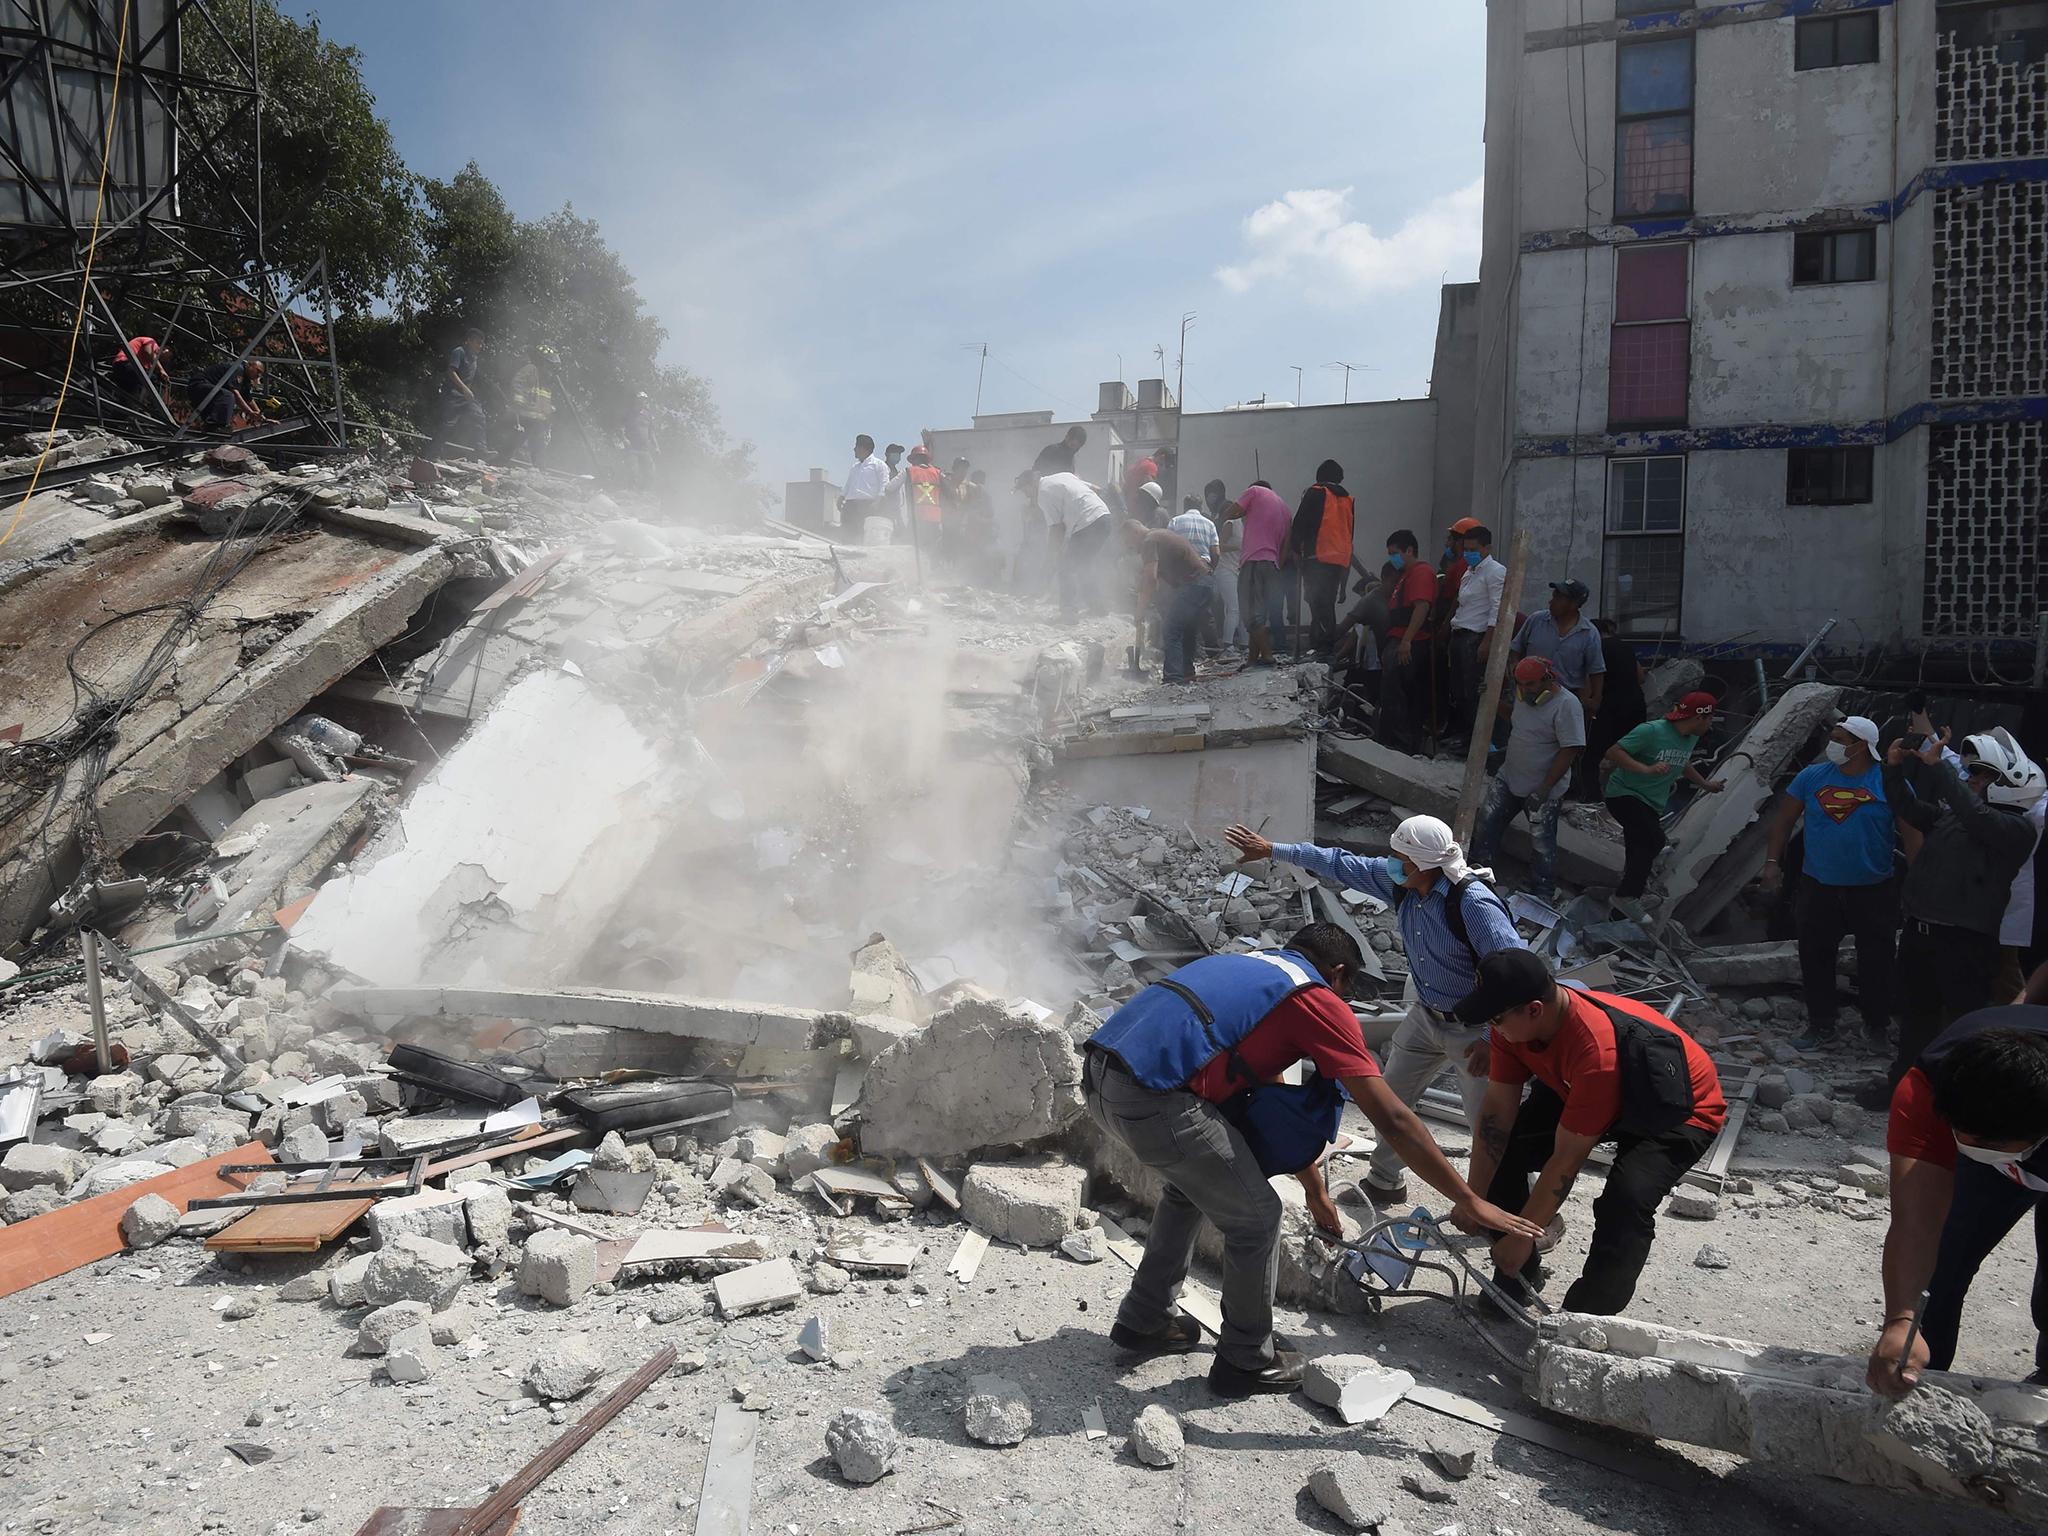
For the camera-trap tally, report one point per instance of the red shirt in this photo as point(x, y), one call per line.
point(1578, 1064)
point(1417, 585)
point(1315, 1022)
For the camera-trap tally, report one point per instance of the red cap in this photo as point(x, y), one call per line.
point(1533, 669)
point(1466, 525)
point(1694, 706)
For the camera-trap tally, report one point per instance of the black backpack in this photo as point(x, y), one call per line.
point(1454, 907)
point(1656, 1079)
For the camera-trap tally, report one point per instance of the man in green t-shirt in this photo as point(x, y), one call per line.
point(1644, 767)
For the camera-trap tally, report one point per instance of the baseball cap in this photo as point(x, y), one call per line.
point(1693, 706)
point(1863, 729)
point(1508, 978)
point(1466, 525)
point(1153, 489)
point(1572, 588)
point(1532, 669)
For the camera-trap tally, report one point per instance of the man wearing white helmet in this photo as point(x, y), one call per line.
point(1450, 919)
point(1977, 836)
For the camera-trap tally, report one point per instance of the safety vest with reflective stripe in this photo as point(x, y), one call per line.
point(1176, 1027)
point(924, 491)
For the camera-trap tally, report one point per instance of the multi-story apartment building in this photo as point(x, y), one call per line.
point(1764, 331)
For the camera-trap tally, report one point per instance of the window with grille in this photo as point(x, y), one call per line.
point(1653, 95)
point(1834, 256)
point(1643, 555)
point(1830, 42)
point(1649, 354)
point(1830, 477)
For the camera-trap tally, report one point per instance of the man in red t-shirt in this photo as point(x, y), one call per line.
point(1208, 1168)
point(1968, 1137)
point(1404, 658)
point(1566, 1039)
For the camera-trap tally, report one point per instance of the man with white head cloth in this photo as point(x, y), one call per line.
point(1450, 919)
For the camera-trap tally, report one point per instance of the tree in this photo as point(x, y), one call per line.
point(332, 178)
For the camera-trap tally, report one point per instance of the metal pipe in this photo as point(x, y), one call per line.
point(96, 1002)
point(1806, 656)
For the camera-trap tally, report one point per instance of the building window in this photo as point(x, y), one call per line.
point(1830, 477)
point(1828, 42)
point(1640, 7)
point(1649, 353)
point(1643, 555)
point(1834, 256)
point(1653, 128)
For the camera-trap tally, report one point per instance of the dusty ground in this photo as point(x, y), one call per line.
point(130, 1432)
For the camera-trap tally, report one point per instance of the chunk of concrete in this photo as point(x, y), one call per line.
point(806, 1149)
point(148, 1221)
point(488, 1211)
point(415, 1269)
point(1350, 1489)
point(557, 1266)
point(105, 1178)
point(434, 1213)
point(1693, 1204)
point(813, 1341)
point(979, 1075)
point(862, 1442)
point(882, 982)
point(1034, 1203)
point(566, 1370)
point(1085, 1247)
point(1359, 1387)
point(376, 1331)
point(34, 1165)
point(410, 1358)
point(345, 1281)
point(765, 1150)
point(763, 1287)
point(998, 1412)
point(1156, 1437)
point(304, 1144)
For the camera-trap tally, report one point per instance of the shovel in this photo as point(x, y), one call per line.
point(498, 1514)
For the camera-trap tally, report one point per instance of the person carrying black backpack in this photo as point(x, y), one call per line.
point(1606, 1069)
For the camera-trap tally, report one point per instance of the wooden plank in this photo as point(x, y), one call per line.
point(725, 1502)
point(58, 1242)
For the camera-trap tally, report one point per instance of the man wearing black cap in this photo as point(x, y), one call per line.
point(1564, 637)
point(1606, 1069)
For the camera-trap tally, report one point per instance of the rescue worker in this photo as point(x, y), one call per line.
point(1968, 1137)
point(1958, 885)
point(1320, 540)
point(136, 364)
point(533, 403)
point(1450, 919)
point(1185, 1076)
point(220, 391)
point(1606, 1069)
point(462, 413)
point(924, 497)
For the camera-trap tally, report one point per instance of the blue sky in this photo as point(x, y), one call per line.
point(825, 204)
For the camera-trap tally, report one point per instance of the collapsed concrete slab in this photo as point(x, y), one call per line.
point(1718, 841)
point(510, 858)
point(1747, 965)
point(700, 1018)
point(982, 1074)
point(1431, 788)
point(330, 599)
point(1962, 1437)
point(882, 982)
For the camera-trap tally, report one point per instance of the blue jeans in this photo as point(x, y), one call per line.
point(1184, 609)
point(1500, 808)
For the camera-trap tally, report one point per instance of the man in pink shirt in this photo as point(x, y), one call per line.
point(1259, 592)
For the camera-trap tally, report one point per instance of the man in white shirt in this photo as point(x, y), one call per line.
point(865, 484)
point(1076, 528)
point(1472, 624)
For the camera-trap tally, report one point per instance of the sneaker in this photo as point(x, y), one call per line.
point(1814, 1040)
point(1178, 1337)
point(1384, 1195)
point(1551, 1234)
point(1280, 1374)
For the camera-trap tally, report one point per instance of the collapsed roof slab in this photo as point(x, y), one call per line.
point(310, 604)
point(1431, 788)
point(726, 1021)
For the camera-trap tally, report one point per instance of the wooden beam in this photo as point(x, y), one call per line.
point(1489, 691)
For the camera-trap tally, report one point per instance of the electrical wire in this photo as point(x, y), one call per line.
point(85, 283)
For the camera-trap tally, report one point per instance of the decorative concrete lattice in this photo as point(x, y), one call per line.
point(1990, 104)
point(1990, 265)
point(1987, 557)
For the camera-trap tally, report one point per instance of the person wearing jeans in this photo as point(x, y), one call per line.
point(1548, 735)
point(1176, 574)
point(1846, 884)
point(1644, 767)
point(1422, 877)
point(1569, 1042)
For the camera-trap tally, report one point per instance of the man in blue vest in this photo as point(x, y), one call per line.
point(1170, 1076)
point(1422, 877)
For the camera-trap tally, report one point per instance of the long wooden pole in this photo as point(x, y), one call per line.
point(1489, 691)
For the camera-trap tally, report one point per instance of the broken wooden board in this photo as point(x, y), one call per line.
point(947, 1191)
point(725, 1500)
point(1198, 1301)
point(59, 1241)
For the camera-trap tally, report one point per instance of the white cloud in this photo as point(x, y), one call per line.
point(1309, 238)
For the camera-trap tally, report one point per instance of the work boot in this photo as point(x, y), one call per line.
point(1280, 1374)
point(1553, 1233)
point(1176, 1338)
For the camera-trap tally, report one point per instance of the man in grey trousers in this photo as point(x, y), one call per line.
point(1158, 1075)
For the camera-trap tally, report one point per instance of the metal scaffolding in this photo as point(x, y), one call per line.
point(84, 82)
